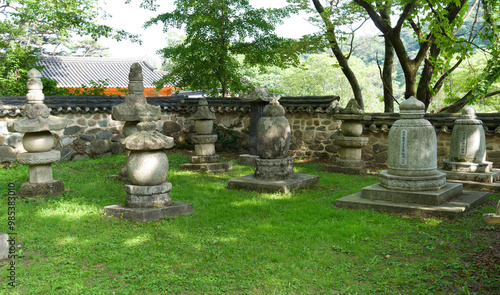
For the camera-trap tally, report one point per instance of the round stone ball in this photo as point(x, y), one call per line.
point(271, 110)
point(203, 126)
point(35, 142)
point(350, 128)
point(147, 167)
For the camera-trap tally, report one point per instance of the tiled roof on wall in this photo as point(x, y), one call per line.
point(12, 106)
point(78, 71)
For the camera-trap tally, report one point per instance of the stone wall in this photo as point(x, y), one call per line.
point(92, 132)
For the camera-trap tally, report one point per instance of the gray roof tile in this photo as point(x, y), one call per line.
point(78, 71)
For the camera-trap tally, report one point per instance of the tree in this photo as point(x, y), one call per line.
point(216, 32)
point(444, 31)
point(28, 27)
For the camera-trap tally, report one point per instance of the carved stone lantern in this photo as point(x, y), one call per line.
point(38, 141)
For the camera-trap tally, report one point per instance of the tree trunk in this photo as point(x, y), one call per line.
point(387, 70)
point(424, 92)
point(342, 60)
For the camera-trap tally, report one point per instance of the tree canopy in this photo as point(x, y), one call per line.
point(35, 27)
point(216, 33)
point(445, 34)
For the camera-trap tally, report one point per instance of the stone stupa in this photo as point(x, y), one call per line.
point(274, 167)
point(38, 141)
point(412, 181)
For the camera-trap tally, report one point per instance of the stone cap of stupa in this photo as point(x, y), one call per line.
point(411, 108)
point(259, 94)
point(203, 112)
point(468, 117)
point(36, 115)
point(147, 138)
point(352, 112)
point(135, 99)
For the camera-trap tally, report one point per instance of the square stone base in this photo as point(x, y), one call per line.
point(429, 197)
point(208, 167)
point(29, 189)
point(485, 177)
point(295, 182)
point(452, 207)
point(247, 159)
point(148, 214)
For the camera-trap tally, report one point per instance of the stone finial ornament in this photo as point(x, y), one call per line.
point(135, 102)
point(259, 94)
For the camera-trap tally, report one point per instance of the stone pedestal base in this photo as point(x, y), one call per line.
point(295, 182)
point(29, 189)
point(139, 196)
point(148, 214)
point(247, 159)
point(274, 169)
point(449, 165)
point(412, 183)
point(449, 201)
point(208, 167)
point(486, 177)
point(491, 218)
point(204, 159)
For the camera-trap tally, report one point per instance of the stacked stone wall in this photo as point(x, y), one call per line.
point(92, 134)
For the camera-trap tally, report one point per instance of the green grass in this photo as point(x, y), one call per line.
point(239, 242)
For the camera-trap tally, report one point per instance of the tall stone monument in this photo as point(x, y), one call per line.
point(148, 197)
point(351, 142)
point(467, 160)
point(205, 159)
point(258, 98)
point(38, 141)
point(412, 181)
point(274, 167)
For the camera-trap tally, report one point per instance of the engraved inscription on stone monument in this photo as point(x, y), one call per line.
point(463, 143)
point(404, 147)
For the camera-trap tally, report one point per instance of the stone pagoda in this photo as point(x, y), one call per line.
point(467, 162)
point(38, 141)
point(205, 159)
point(148, 197)
point(274, 167)
point(351, 142)
point(258, 98)
point(135, 101)
point(412, 181)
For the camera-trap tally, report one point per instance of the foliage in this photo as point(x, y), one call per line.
point(320, 74)
point(239, 242)
point(442, 31)
point(30, 27)
point(216, 32)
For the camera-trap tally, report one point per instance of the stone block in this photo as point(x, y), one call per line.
point(104, 135)
point(295, 182)
point(4, 246)
point(429, 197)
point(148, 214)
point(39, 158)
point(7, 154)
point(100, 146)
point(41, 189)
point(148, 196)
point(208, 167)
point(14, 140)
point(40, 173)
point(273, 169)
point(87, 137)
point(453, 207)
point(486, 177)
point(67, 140)
point(204, 159)
point(204, 149)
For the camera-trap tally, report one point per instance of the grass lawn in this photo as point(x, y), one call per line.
point(239, 242)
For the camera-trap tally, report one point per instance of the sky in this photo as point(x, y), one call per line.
point(130, 17)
